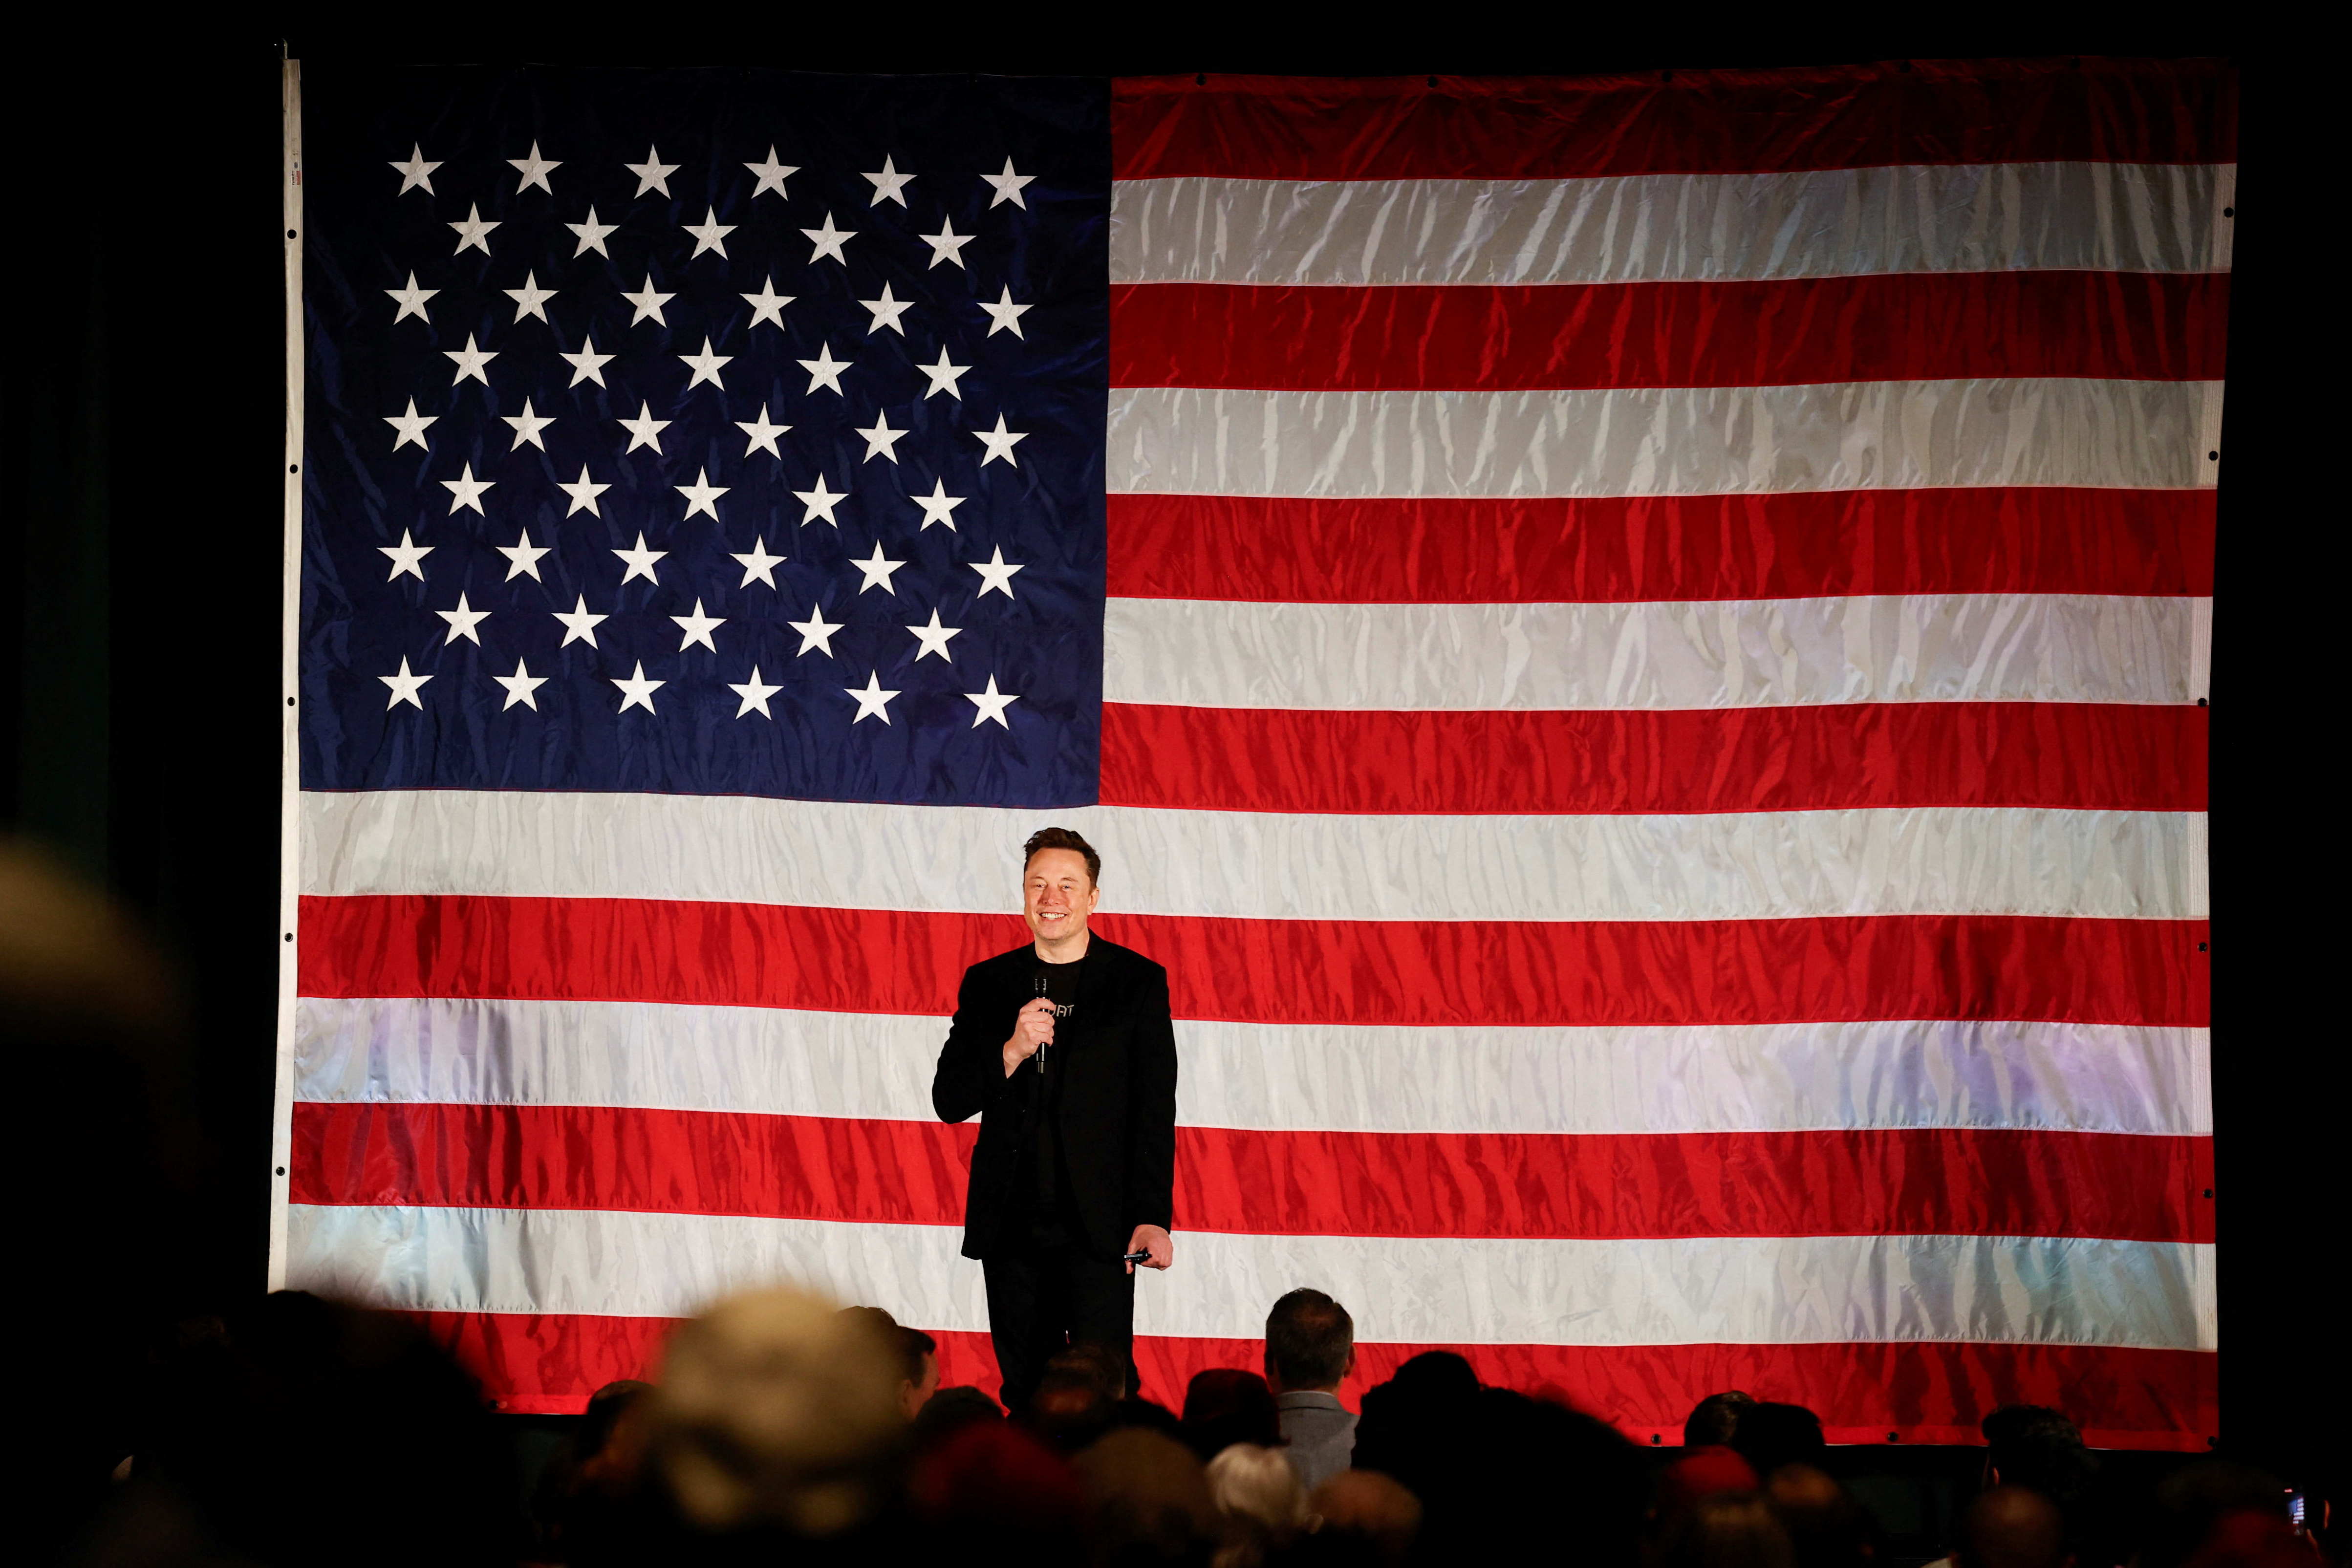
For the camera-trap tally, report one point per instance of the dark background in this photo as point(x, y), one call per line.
point(140, 430)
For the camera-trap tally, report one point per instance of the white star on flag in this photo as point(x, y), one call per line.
point(755, 695)
point(653, 175)
point(872, 703)
point(829, 241)
point(404, 688)
point(412, 301)
point(759, 564)
point(824, 369)
point(761, 434)
point(709, 234)
point(944, 376)
point(882, 441)
point(588, 365)
point(706, 365)
point(1004, 315)
point(579, 623)
point(992, 704)
point(521, 684)
point(698, 628)
point(1000, 443)
point(938, 506)
point(934, 640)
point(531, 300)
point(526, 426)
point(465, 490)
point(473, 232)
point(877, 571)
point(701, 495)
point(417, 173)
point(637, 691)
point(648, 301)
point(410, 425)
point(522, 558)
point(1008, 186)
point(816, 631)
point(463, 619)
point(995, 576)
point(591, 235)
point(820, 501)
point(534, 171)
point(470, 361)
point(768, 304)
point(583, 492)
point(645, 430)
point(886, 311)
point(947, 245)
point(772, 174)
point(888, 184)
point(641, 560)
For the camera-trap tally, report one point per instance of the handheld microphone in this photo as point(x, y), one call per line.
point(1041, 983)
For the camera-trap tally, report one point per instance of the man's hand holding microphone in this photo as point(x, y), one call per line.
point(1033, 1031)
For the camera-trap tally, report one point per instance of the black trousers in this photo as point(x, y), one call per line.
point(1045, 1293)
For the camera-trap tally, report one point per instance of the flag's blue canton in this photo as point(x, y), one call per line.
point(526, 700)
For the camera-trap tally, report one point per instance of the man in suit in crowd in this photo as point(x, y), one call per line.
point(1065, 1051)
point(1310, 1348)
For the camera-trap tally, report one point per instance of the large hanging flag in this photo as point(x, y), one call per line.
point(1636, 646)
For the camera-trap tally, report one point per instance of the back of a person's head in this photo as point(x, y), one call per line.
point(2190, 1504)
point(1149, 1497)
point(2012, 1527)
point(1771, 1435)
point(606, 1408)
point(1068, 1410)
point(312, 1432)
point(951, 1410)
point(1225, 1406)
point(1714, 1418)
point(1309, 1341)
point(776, 1413)
point(1826, 1527)
point(2033, 1445)
point(1730, 1529)
point(1369, 1511)
point(1409, 1423)
point(1260, 1497)
point(1095, 1364)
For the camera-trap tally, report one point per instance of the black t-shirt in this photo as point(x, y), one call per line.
point(1048, 1183)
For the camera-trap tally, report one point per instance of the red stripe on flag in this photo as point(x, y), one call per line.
point(1865, 1182)
point(1926, 1393)
point(1523, 550)
point(1274, 971)
point(1845, 757)
point(1699, 122)
point(1900, 326)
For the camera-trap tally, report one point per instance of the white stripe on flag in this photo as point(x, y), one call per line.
point(1661, 440)
point(1705, 653)
point(1814, 1289)
point(1728, 1078)
point(1256, 865)
point(1947, 217)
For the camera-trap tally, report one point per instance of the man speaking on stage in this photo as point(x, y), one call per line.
point(1064, 1051)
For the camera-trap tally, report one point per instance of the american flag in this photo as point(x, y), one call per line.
point(1635, 645)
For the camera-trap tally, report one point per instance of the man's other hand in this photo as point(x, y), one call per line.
point(1033, 1028)
point(1153, 1239)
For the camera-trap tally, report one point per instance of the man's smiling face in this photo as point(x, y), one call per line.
point(1057, 896)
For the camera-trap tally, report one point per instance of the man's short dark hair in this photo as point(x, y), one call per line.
point(2035, 1445)
point(1713, 1420)
point(1061, 839)
point(1308, 1339)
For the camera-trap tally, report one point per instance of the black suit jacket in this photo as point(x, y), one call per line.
point(1115, 1056)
